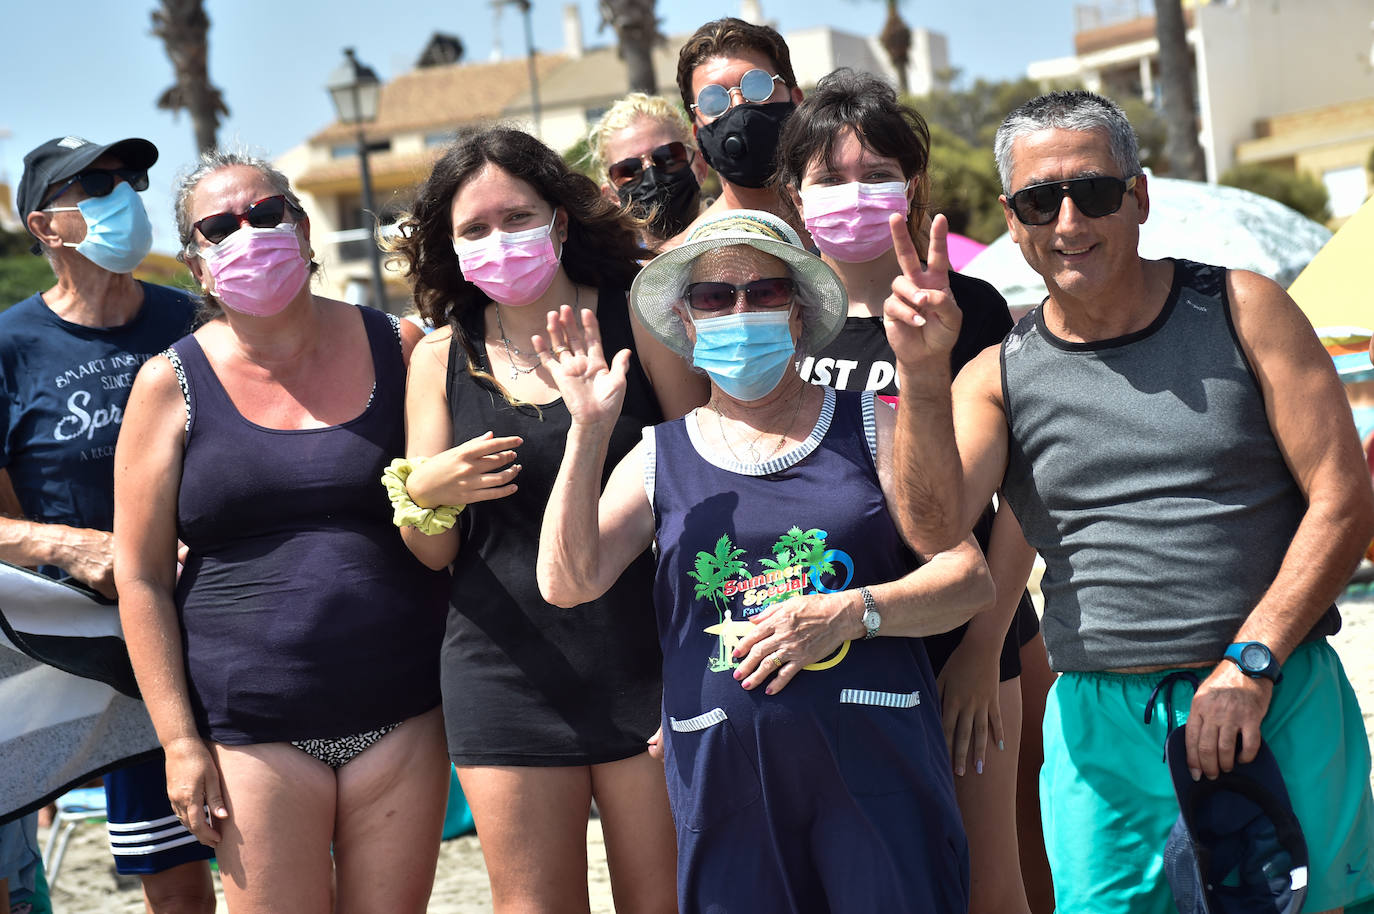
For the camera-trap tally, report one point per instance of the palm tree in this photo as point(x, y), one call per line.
point(805, 549)
point(183, 27)
point(712, 570)
point(896, 40)
point(636, 32)
point(1182, 150)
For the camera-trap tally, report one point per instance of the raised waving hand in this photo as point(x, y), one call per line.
point(592, 389)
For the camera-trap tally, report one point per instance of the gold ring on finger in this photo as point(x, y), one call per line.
point(559, 350)
point(775, 661)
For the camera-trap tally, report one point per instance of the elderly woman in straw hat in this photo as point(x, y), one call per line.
point(804, 753)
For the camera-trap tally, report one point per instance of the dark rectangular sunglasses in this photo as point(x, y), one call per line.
point(269, 212)
point(1095, 197)
point(99, 182)
point(721, 296)
point(668, 157)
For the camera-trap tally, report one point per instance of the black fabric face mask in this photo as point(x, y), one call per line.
point(742, 143)
point(668, 199)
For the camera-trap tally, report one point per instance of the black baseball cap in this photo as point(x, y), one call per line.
point(62, 158)
point(1237, 845)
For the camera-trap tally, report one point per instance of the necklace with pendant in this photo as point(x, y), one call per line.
point(513, 350)
point(751, 450)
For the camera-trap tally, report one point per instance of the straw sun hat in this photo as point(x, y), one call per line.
point(659, 286)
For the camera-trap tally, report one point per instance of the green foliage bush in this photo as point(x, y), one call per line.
point(1301, 192)
point(21, 275)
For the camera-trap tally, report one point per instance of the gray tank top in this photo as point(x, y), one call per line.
point(1144, 471)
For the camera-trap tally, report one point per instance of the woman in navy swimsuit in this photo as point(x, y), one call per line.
point(292, 671)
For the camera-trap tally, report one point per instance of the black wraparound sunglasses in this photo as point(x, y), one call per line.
point(1095, 197)
point(99, 182)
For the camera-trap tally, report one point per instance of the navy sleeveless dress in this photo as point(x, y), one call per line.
point(304, 616)
point(836, 793)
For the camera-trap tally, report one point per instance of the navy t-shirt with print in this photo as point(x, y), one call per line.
point(62, 393)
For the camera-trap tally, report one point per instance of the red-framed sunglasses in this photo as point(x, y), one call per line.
point(269, 212)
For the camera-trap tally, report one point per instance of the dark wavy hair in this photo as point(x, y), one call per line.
point(847, 100)
point(721, 36)
point(601, 249)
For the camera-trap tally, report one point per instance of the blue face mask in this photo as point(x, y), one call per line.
point(118, 233)
point(746, 354)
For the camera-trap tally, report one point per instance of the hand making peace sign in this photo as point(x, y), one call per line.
point(920, 316)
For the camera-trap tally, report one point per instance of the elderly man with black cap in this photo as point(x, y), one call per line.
point(67, 358)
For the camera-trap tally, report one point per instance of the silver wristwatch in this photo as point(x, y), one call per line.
point(870, 619)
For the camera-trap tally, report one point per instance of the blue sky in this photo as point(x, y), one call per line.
point(99, 71)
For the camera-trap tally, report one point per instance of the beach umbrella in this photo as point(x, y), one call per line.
point(962, 249)
point(1210, 223)
point(1336, 291)
point(69, 707)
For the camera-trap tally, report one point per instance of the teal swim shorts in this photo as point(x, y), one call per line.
point(1107, 801)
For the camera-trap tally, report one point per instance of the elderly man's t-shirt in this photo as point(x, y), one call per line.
point(63, 388)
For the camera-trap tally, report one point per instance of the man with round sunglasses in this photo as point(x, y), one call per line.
point(68, 356)
point(1177, 446)
point(738, 86)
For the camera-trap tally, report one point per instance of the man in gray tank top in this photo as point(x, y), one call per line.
point(1177, 445)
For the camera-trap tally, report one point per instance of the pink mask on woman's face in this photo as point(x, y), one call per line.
point(257, 271)
point(512, 268)
point(849, 221)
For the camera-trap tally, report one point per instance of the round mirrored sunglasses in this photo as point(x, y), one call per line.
point(755, 87)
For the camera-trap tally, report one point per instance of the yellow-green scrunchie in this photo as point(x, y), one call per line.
point(405, 513)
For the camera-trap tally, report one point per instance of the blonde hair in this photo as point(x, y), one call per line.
point(625, 112)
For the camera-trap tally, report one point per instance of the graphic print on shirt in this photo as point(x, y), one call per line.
point(800, 564)
point(89, 398)
point(844, 374)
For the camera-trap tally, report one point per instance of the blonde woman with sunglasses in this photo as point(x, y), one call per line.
point(646, 159)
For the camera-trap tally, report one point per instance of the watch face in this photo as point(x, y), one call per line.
point(1254, 657)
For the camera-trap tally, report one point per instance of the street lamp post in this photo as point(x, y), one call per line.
point(524, 7)
point(355, 90)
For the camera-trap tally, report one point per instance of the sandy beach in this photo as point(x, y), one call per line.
point(87, 883)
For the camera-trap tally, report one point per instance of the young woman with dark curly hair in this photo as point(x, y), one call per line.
point(547, 709)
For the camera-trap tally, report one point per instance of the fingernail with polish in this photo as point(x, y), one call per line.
point(1196, 773)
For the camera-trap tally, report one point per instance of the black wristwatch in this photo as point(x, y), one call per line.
point(1254, 659)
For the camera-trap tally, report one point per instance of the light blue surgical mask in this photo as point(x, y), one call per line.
point(118, 233)
point(747, 354)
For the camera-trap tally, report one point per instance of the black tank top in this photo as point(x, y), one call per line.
point(526, 682)
point(304, 615)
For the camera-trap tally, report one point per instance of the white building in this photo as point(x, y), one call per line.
point(1255, 60)
point(420, 109)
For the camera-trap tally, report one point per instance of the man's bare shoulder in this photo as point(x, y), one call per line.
point(982, 376)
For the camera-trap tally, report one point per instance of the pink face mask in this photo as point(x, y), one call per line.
point(512, 268)
point(257, 271)
point(849, 221)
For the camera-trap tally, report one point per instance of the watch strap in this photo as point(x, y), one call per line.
point(871, 620)
point(1236, 652)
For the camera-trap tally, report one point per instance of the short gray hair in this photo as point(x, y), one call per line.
point(1073, 109)
point(208, 164)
